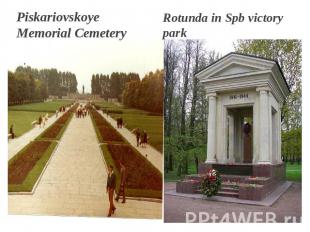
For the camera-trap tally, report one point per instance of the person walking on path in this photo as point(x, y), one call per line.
point(144, 139)
point(138, 137)
point(117, 122)
point(121, 191)
point(121, 122)
point(111, 183)
point(12, 131)
point(44, 120)
point(40, 121)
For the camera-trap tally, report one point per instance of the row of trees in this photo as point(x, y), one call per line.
point(185, 103)
point(27, 84)
point(24, 88)
point(291, 145)
point(111, 86)
point(146, 94)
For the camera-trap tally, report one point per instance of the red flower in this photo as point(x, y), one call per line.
point(211, 175)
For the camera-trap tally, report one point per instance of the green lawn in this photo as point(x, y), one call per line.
point(293, 172)
point(50, 106)
point(134, 118)
point(21, 116)
point(22, 120)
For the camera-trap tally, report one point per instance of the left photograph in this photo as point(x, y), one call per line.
point(85, 138)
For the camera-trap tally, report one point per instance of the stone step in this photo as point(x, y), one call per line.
point(227, 194)
point(230, 184)
point(233, 178)
point(229, 189)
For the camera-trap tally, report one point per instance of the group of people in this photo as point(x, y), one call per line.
point(42, 120)
point(119, 122)
point(81, 112)
point(62, 109)
point(141, 136)
point(111, 186)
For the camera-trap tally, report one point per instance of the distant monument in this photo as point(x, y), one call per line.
point(83, 89)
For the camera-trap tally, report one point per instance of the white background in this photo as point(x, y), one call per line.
point(143, 20)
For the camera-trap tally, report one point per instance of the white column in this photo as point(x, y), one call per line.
point(264, 124)
point(211, 149)
point(279, 136)
point(231, 136)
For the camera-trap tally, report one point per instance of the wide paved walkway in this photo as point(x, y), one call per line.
point(15, 145)
point(154, 156)
point(288, 206)
point(75, 180)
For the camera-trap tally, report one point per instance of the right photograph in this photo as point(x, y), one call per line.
point(233, 131)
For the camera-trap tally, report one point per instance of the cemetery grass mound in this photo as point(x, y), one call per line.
point(53, 132)
point(135, 118)
point(143, 179)
point(26, 166)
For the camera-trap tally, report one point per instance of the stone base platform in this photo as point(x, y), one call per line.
point(267, 201)
point(243, 181)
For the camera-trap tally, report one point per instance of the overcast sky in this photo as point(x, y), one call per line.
point(86, 57)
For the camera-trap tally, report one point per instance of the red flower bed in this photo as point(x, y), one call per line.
point(65, 117)
point(140, 173)
point(52, 132)
point(99, 120)
point(26, 160)
point(107, 132)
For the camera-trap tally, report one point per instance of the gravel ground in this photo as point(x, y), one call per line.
point(286, 209)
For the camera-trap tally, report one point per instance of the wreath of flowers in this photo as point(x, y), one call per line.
point(211, 183)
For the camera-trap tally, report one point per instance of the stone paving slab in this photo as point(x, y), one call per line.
point(154, 156)
point(268, 201)
point(74, 182)
point(15, 145)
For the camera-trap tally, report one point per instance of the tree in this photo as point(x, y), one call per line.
point(171, 60)
point(186, 60)
point(146, 94)
point(29, 85)
point(185, 103)
point(288, 54)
